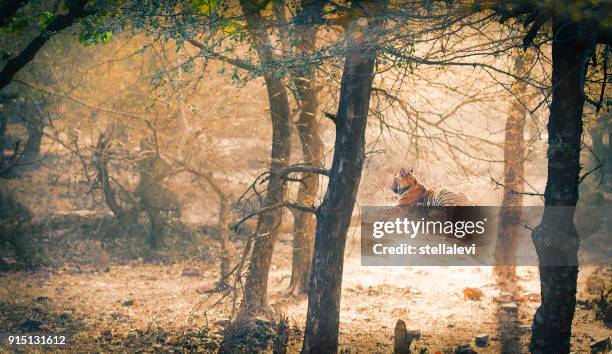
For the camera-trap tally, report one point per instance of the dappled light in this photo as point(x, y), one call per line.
point(305, 176)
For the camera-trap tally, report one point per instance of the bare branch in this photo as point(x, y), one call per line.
point(600, 166)
point(208, 53)
point(291, 205)
point(303, 169)
point(499, 184)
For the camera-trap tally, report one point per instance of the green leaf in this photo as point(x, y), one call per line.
point(207, 7)
point(232, 28)
point(44, 19)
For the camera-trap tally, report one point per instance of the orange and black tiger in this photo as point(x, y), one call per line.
point(411, 191)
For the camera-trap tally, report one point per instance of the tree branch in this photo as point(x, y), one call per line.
point(291, 205)
point(8, 9)
point(303, 169)
point(331, 116)
point(208, 53)
point(59, 23)
point(600, 166)
point(499, 184)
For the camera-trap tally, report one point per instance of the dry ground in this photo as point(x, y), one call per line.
point(152, 307)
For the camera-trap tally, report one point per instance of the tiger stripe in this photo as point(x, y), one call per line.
point(411, 191)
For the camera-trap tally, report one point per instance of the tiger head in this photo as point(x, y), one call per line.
point(404, 180)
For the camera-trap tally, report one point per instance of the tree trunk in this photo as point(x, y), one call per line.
point(151, 194)
point(312, 151)
point(304, 222)
point(334, 214)
point(3, 126)
point(514, 172)
point(255, 301)
point(555, 238)
point(35, 135)
point(224, 237)
point(156, 235)
point(101, 157)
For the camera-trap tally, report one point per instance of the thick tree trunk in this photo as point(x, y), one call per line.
point(312, 151)
point(514, 172)
point(255, 301)
point(304, 222)
point(555, 238)
point(334, 214)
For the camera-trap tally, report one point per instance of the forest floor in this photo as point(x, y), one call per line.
point(145, 307)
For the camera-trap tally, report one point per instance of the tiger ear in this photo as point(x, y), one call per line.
point(411, 170)
point(403, 173)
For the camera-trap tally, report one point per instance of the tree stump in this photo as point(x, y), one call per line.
point(401, 344)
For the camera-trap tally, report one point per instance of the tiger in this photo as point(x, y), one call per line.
point(411, 191)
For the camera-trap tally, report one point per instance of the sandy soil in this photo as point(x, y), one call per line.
point(148, 307)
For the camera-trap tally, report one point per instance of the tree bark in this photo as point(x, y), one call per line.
point(224, 237)
point(35, 134)
point(312, 151)
point(101, 157)
point(514, 172)
point(255, 301)
point(555, 238)
point(153, 196)
point(334, 214)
